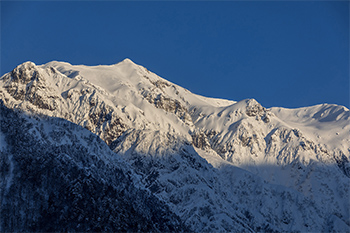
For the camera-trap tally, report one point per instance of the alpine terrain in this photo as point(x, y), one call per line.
point(118, 148)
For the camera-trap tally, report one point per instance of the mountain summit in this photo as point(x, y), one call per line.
point(217, 165)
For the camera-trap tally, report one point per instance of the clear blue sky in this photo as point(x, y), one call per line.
point(288, 54)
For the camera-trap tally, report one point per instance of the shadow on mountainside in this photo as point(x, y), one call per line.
point(57, 176)
point(54, 179)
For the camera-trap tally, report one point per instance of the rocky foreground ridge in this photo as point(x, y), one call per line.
point(208, 164)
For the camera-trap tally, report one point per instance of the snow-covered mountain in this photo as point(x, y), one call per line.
point(219, 165)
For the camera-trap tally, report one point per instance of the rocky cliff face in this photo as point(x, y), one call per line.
point(219, 165)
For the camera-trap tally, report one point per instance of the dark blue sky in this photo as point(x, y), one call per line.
point(288, 54)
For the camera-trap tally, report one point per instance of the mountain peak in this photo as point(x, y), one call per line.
point(28, 65)
point(128, 60)
point(24, 72)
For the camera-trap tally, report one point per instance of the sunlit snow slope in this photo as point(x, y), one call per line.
point(220, 165)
